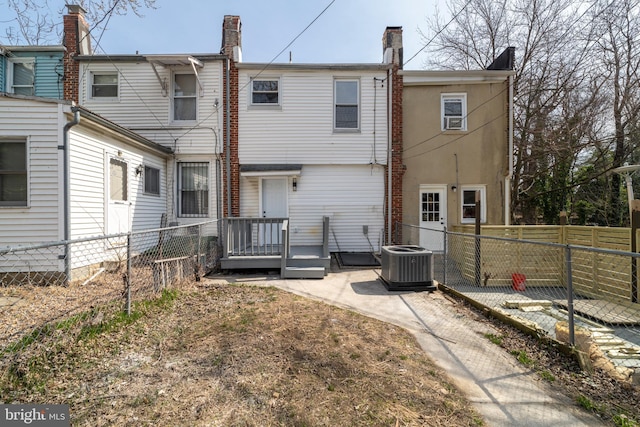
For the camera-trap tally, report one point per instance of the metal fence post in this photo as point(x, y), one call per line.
point(199, 263)
point(128, 279)
point(444, 256)
point(572, 338)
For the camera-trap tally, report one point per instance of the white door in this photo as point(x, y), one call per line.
point(273, 205)
point(433, 216)
point(118, 204)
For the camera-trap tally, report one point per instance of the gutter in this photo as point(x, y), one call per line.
point(66, 188)
point(389, 155)
point(507, 180)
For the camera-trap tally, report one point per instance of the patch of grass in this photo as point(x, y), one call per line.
point(523, 357)
point(586, 403)
point(621, 420)
point(547, 376)
point(496, 339)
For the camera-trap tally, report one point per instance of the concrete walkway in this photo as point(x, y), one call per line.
point(503, 391)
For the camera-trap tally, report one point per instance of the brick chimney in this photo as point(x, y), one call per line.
point(77, 42)
point(232, 48)
point(392, 53)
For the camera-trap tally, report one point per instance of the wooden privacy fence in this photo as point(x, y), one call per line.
point(594, 274)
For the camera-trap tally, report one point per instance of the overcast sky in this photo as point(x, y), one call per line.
point(348, 31)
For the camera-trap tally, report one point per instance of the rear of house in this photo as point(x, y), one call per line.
point(456, 145)
point(116, 184)
point(313, 144)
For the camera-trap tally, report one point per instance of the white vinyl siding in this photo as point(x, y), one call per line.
point(322, 192)
point(302, 130)
point(146, 109)
point(88, 183)
point(38, 125)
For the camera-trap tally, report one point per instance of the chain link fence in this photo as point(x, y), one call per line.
point(582, 296)
point(52, 293)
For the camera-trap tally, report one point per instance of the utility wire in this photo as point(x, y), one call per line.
point(438, 33)
point(268, 64)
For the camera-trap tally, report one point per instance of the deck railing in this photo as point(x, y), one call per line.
point(253, 236)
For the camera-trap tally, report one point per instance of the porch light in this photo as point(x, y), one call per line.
point(295, 184)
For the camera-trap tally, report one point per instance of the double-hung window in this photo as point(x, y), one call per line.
point(13, 173)
point(454, 111)
point(21, 76)
point(185, 97)
point(347, 97)
point(151, 180)
point(193, 189)
point(265, 92)
point(469, 203)
point(104, 85)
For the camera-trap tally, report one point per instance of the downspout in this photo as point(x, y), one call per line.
point(389, 155)
point(66, 188)
point(228, 137)
point(507, 180)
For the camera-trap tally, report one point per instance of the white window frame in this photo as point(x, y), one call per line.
point(335, 104)
point(180, 165)
point(25, 172)
point(265, 104)
point(483, 203)
point(145, 178)
point(104, 73)
point(195, 96)
point(10, 64)
point(446, 122)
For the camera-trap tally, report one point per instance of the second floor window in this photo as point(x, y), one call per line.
point(346, 104)
point(454, 111)
point(21, 76)
point(104, 85)
point(264, 92)
point(184, 97)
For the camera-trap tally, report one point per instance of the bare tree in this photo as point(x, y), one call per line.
point(558, 102)
point(619, 52)
point(40, 21)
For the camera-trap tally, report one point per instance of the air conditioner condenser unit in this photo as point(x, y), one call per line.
point(407, 268)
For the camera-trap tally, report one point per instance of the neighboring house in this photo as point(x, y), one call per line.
point(175, 100)
point(456, 144)
point(115, 180)
point(32, 70)
point(313, 142)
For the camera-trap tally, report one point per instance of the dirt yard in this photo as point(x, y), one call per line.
point(227, 355)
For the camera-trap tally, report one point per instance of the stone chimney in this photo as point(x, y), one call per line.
point(392, 46)
point(232, 38)
point(232, 48)
point(392, 54)
point(77, 42)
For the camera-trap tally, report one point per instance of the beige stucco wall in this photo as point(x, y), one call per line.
point(477, 156)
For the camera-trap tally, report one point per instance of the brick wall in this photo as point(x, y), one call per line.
point(231, 38)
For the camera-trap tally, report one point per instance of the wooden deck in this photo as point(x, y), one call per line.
point(245, 248)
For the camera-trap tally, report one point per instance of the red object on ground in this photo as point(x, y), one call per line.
point(518, 282)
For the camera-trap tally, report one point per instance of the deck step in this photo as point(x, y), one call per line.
point(304, 273)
